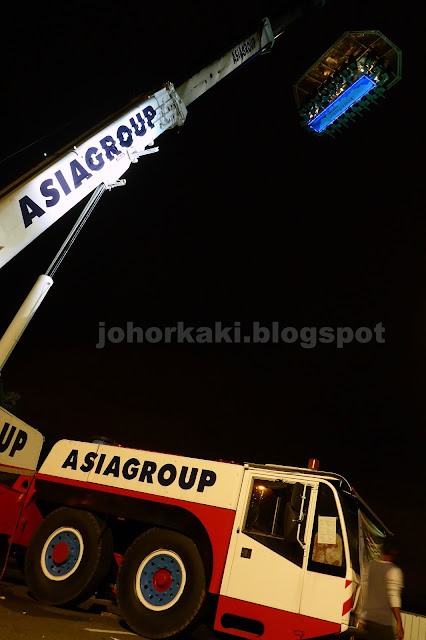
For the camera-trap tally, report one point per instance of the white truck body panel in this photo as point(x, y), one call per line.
point(205, 482)
point(249, 581)
point(322, 596)
point(20, 444)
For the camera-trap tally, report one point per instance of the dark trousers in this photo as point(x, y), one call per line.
point(377, 631)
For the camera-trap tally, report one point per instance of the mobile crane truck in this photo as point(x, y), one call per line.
point(276, 551)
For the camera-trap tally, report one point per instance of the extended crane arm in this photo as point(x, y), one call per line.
point(97, 160)
point(40, 198)
point(23, 316)
point(35, 201)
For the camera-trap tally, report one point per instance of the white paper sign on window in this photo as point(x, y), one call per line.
point(327, 529)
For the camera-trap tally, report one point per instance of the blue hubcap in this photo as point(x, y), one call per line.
point(62, 553)
point(160, 580)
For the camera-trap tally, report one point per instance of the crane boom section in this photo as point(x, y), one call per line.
point(35, 201)
point(40, 200)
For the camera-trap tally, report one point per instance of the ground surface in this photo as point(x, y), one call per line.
point(23, 618)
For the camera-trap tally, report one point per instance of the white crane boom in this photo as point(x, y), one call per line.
point(97, 160)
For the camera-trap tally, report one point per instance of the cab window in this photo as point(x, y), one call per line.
point(326, 554)
point(272, 517)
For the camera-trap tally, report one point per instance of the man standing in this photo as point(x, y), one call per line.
point(383, 598)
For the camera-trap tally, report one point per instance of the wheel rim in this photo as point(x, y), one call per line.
point(160, 580)
point(62, 553)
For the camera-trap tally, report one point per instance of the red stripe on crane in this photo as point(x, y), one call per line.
point(347, 606)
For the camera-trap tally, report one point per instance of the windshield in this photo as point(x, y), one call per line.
point(364, 536)
point(370, 546)
point(370, 539)
point(350, 512)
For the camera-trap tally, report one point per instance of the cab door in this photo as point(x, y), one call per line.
point(325, 588)
point(265, 562)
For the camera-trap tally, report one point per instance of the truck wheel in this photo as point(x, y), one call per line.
point(68, 556)
point(160, 584)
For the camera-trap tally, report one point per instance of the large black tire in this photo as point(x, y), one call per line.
point(69, 555)
point(161, 584)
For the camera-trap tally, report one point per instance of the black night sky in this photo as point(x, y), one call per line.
point(241, 217)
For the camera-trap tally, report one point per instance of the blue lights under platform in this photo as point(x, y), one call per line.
point(342, 103)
